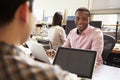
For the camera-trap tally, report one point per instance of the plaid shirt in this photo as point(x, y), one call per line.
point(14, 67)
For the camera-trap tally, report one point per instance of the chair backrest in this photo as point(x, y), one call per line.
point(70, 24)
point(109, 43)
point(97, 24)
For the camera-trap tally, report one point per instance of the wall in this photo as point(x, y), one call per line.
point(105, 6)
point(49, 7)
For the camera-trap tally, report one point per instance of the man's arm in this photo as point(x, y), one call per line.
point(67, 42)
point(98, 44)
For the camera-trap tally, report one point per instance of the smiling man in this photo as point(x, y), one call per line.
point(85, 36)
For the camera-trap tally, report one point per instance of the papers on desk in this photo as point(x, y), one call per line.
point(117, 46)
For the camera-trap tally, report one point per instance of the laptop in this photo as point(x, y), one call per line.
point(38, 51)
point(78, 61)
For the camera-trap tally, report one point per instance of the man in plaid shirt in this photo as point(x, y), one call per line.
point(16, 23)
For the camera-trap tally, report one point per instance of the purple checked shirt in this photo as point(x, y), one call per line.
point(91, 38)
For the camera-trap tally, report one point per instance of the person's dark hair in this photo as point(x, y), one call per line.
point(57, 19)
point(8, 9)
point(83, 9)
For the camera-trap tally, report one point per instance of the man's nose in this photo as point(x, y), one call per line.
point(80, 21)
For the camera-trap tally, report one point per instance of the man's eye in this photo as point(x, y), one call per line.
point(85, 19)
point(77, 18)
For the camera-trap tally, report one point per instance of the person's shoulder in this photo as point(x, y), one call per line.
point(59, 28)
point(95, 29)
point(35, 69)
point(73, 30)
point(55, 27)
point(52, 28)
point(9, 49)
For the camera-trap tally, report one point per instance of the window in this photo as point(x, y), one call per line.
point(109, 22)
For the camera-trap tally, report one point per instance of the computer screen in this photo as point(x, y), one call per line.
point(78, 61)
point(48, 19)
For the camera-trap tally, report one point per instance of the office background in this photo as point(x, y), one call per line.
point(106, 11)
point(44, 8)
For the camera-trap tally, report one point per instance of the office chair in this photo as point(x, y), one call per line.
point(109, 43)
point(70, 24)
point(97, 24)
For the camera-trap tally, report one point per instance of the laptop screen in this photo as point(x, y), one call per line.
point(78, 61)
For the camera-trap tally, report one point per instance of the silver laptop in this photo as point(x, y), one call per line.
point(78, 61)
point(38, 51)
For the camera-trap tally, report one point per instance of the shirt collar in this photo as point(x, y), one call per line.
point(8, 49)
point(85, 31)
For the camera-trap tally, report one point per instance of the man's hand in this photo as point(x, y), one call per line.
point(51, 53)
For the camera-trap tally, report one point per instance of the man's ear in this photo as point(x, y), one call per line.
point(24, 12)
point(90, 19)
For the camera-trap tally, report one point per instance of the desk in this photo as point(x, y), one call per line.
point(116, 49)
point(104, 72)
point(114, 58)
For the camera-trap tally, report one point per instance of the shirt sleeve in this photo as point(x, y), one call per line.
point(67, 42)
point(64, 75)
point(62, 35)
point(98, 44)
point(54, 72)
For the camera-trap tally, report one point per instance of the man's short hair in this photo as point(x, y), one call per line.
point(83, 9)
point(8, 9)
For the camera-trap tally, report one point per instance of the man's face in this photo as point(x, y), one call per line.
point(81, 20)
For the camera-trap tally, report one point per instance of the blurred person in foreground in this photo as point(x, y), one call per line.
point(16, 24)
point(85, 36)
